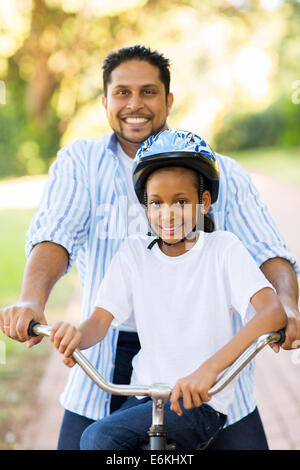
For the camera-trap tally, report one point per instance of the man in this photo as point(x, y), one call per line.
point(83, 215)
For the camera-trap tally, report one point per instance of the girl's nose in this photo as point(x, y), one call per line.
point(167, 213)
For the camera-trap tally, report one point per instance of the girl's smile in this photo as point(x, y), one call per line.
point(169, 230)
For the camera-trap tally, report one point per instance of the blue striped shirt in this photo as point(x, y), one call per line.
point(84, 209)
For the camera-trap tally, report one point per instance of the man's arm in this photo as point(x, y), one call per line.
point(249, 218)
point(282, 276)
point(56, 233)
point(45, 266)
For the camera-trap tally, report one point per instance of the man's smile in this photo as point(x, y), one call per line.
point(135, 121)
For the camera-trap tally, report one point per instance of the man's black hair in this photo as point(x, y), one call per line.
point(137, 52)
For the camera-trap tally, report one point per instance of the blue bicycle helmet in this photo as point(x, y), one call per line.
point(175, 148)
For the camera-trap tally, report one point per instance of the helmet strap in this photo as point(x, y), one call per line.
point(159, 239)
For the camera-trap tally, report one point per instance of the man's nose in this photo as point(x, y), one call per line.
point(134, 102)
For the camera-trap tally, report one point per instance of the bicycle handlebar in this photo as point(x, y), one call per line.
point(232, 371)
point(163, 391)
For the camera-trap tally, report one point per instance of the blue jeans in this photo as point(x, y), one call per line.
point(127, 428)
point(246, 434)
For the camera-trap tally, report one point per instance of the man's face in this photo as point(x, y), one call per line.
point(136, 103)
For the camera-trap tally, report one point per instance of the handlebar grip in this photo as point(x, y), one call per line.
point(282, 336)
point(30, 330)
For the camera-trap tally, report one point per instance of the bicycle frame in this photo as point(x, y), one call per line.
point(160, 392)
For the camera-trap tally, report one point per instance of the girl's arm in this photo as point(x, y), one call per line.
point(66, 337)
point(270, 316)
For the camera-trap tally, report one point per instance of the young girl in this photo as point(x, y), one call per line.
point(181, 288)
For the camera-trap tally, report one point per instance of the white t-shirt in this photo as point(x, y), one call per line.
point(182, 305)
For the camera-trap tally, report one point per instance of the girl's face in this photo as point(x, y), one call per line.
point(173, 198)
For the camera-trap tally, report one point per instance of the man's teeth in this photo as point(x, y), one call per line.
point(135, 120)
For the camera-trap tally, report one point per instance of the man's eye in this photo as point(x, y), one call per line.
point(148, 92)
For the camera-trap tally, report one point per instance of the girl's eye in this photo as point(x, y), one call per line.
point(155, 203)
point(181, 202)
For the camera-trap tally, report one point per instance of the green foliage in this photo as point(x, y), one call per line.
point(278, 125)
point(283, 163)
point(27, 145)
point(51, 67)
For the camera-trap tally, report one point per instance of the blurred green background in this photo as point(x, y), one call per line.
point(235, 71)
point(236, 79)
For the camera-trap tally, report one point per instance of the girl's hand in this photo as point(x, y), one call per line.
point(193, 389)
point(66, 338)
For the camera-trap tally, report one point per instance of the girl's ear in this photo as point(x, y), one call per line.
point(206, 202)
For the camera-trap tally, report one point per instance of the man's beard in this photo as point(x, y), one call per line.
point(139, 141)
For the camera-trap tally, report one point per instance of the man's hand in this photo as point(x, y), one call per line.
point(292, 331)
point(15, 319)
point(282, 276)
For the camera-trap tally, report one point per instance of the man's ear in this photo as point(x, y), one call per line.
point(104, 101)
point(170, 99)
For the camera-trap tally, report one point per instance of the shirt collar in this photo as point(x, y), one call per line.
point(113, 143)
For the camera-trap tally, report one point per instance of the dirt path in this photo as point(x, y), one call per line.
point(277, 377)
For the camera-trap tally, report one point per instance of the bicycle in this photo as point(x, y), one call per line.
point(160, 392)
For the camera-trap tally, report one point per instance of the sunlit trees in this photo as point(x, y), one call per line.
point(228, 57)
